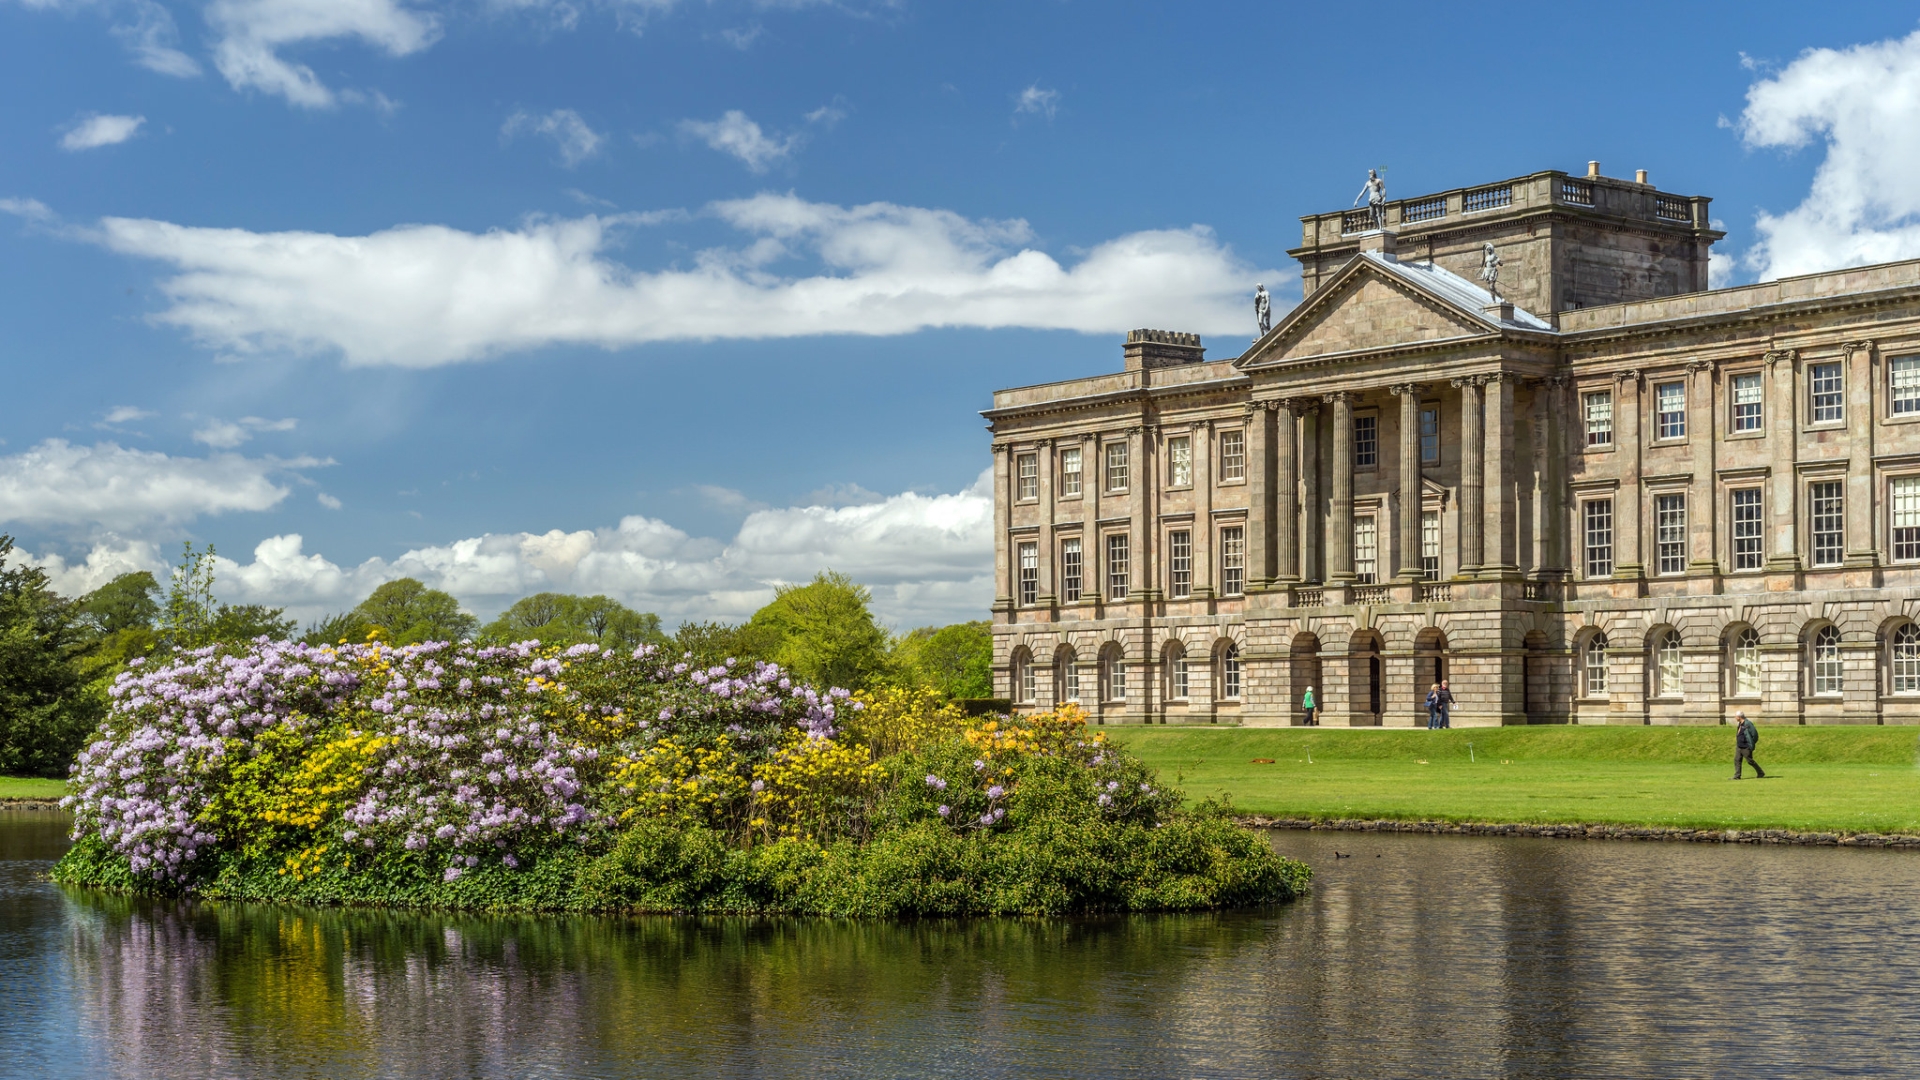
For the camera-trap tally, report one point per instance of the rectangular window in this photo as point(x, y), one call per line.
point(1366, 442)
point(1746, 529)
point(1182, 680)
point(1906, 517)
point(1826, 398)
point(1117, 466)
point(1430, 434)
point(1180, 564)
point(1117, 567)
point(1597, 523)
point(1672, 410)
point(1070, 682)
point(1829, 525)
point(1746, 402)
point(1029, 574)
point(1233, 455)
point(1026, 468)
point(1233, 560)
point(1670, 533)
point(1903, 375)
point(1599, 410)
point(1430, 544)
point(1070, 471)
point(1028, 684)
point(1366, 550)
point(1180, 462)
point(1070, 569)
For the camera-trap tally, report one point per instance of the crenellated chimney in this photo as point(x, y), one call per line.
point(1162, 348)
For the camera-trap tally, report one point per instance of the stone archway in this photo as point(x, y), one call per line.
point(1303, 667)
point(1429, 665)
point(1537, 679)
point(1365, 682)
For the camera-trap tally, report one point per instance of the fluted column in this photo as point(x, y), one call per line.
point(1313, 531)
point(1782, 436)
point(1472, 473)
point(1202, 509)
point(1498, 541)
point(1259, 494)
point(1286, 484)
point(1002, 518)
point(1410, 493)
point(1556, 550)
point(1340, 512)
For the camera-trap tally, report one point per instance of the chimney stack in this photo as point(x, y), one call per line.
point(1593, 170)
point(1640, 176)
point(1161, 348)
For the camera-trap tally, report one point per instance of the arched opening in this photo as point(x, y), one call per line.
point(1025, 684)
point(1536, 677)
point(1303, 658)
point(1826, 676)
point(1742, 648)
point(1429, 663)
point(1113, 675)
point(1668, 666)
point(1364, 676)
point(1593, 666)
point(1066, 676)
point(1227, 676)
point(1903, 660)
point(1179, 678)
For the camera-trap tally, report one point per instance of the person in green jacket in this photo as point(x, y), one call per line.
point(1307, 704)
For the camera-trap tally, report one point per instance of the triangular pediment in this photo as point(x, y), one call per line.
point(1366, 307)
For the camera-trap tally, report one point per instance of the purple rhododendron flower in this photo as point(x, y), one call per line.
point(996, 791)
point(945, 810)
point(936, 783)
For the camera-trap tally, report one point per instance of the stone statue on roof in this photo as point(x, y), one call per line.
point(1490, 269)
point(1374, 191)
point(1262, 309)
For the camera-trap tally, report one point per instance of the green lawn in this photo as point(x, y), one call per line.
point(1818, 779)
point(19, 787)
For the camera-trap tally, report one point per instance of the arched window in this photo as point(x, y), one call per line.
point(1067, 673)
point(1904, 658)
point(1024, 689)
point(1667, 669)
point(1743, 663)
point(1113, 674)
point(1596, 666)
point(1230, 672)
point(1827, 676)
point(1179, 681)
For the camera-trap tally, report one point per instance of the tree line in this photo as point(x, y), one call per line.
point(59, 655)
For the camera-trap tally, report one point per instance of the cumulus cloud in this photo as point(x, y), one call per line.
point(1037, 102)
point(1862, 104)
point(108, 486)
point(250, 35)
point(225, 435)
point(124, 414)
point(100, 130)
point(109, 557)
point(737, 135)
point(577, 141)
point(426, 295)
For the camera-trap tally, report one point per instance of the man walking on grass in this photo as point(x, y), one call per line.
point(1745, 738)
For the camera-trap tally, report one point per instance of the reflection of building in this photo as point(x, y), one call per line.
point(1607, 497)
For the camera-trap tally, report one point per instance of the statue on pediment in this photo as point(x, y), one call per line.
point(1490, 269)
point(1374, 191)
point(1262, 309)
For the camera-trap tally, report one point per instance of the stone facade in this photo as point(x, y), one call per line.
point(1644, 504)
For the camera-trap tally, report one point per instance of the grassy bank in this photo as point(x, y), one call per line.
point(28, 787)
point(1818, 779)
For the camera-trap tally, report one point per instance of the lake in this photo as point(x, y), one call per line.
point(1418, 956)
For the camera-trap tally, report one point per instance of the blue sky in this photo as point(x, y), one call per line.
point(675, 299)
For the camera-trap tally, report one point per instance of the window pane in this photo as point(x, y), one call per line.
point(1117, 466)
point(1904, 374)
point(1180, 461)
point(1599, 536)
point(1746, 529)
point(1233, 455)
point(1746, 402)
point(1070, 471)
point(1366, 442)
point(1029, 574)
point(1906, 517)
point(1824, 382)
point(1233, 560)
point(1181, 680)
point(1599, 418)
point(1430, 544)
point(1180, 563)
point(1069, 668)
point(1365, 550)
point(1828, 676)
point(1070, 570)
point(1117, 567)
point(1596, 666)
point(1906, 660)
point(1669, 667)
point(1430, 434)
point(1230, 672)
point(1746, 663)
point(1670, 533)
point(1673, 410)
point(1824, 505)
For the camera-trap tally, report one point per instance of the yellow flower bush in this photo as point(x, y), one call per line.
point(680, 782)
point(813, 788)
point(895, 719)
point(293, 784)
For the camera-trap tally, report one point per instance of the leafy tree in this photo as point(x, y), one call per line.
point(347, 626)
point(190, 617)
point(406, 612)
point(46, 706)
point(825, 633)
point(956, 660)
point(244, 622)
point(125, 603)
point(558, 618)
point(713, 642)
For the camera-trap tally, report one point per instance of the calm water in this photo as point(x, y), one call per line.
point(1418, 956)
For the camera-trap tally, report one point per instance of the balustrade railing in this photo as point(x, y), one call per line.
point(1537, 590)
point(1436, 593)
point(1668, 208)
point(1424, 210)
point(1368, 594)
point(1308, 598)
point(1578, 192)
point(1487, 198)
point(1354, 221)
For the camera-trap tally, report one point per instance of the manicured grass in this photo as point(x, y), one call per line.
point(1818, 779)
point(23, 787)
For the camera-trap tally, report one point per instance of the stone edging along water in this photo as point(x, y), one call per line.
point(1592, 832)
point(29, 804)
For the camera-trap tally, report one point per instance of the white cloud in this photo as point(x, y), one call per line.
point(152, 37)
point(224, 435)
point(125, 414)
point(577, 141)
point(328, 501)
point(31, 209)
point(1037, 101)
point(251, 33)
point(109, 557)
point(111, 487)
point(426, 295)
point(97, 130)
point(1863, 103)
point(739, 136)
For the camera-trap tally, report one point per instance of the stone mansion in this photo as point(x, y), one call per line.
point(1600, 494)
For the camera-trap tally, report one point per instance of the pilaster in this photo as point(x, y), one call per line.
point(1783, 437)
point(1863, 361)
point(1340, 511)
point(1409, 509)
point(1472, 474)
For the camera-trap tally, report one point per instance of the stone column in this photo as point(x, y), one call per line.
point(1286, 487)
point(1410, 493)
point(1703, 499)
point(1863, 540)
point(1002, 518)
point(1472, 473)
point(1313, 531)
point(1783, 436)
point(1049, 588)
point(1627, 423)
point(1202, 509)
point(1141, 577)
point(1340, 513)
point(1555, 548)
point(1259, 493)
point(1498, 557)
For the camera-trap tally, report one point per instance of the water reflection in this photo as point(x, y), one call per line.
point(1417, 956)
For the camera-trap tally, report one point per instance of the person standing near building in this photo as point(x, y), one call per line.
point(1445, 703)
point(1307, 704)
point(1745, 738)
point(1433, 707)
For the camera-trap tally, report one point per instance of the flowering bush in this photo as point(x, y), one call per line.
point(532, 776)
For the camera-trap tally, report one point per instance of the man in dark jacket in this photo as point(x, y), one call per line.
point(1446, 706)
point(1745, 738)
